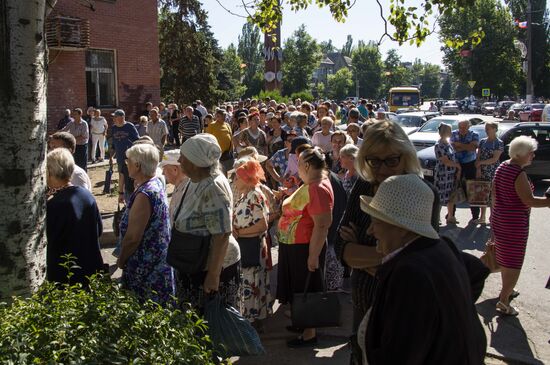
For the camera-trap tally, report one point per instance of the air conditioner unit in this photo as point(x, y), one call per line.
point(69, 34)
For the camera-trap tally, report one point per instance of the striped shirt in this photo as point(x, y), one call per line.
point(78, 130)
point(189, 127)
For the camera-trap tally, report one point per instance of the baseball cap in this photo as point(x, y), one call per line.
point(119, 113)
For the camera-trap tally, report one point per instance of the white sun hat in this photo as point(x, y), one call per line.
point(404, 201)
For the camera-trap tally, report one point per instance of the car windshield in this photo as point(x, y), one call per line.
point(489, 104)
point(517, 106)
point(405, 120)
point(432, 125)
point(450, 103)
point(537, 106)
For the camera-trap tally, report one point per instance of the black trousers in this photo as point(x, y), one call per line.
point(176, 132)
point(81, 156)
point(469, 173)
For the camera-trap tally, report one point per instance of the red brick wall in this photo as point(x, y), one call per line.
point(129, 27)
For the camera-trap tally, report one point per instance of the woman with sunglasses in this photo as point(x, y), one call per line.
point(386, 151)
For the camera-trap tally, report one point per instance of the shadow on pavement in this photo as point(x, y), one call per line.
point(471, 237)
point(507, 334)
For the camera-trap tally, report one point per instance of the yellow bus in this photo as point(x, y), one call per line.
point(403, 97)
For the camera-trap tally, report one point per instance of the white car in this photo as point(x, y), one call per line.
point(428, 134)
point(450, 107)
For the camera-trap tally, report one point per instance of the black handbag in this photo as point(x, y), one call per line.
point(250, 251)
point(187, 252)
point(315, 310)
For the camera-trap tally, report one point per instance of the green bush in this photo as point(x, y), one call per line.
point(303, 95)
point(102, 325)
point(273, 94)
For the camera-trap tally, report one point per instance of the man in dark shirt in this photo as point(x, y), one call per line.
point(123, 135)
point(65, 120)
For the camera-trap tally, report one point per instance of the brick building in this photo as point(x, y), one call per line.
point(103, 53)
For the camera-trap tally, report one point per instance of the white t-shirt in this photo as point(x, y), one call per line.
point(322, 141)
point(81, 178)
point(208, 209)
point(98, 125)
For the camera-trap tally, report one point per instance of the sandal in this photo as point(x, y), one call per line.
point(452, 220)
point(507, 310)
point(514, 294)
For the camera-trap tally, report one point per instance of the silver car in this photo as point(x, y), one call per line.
point(450, 107)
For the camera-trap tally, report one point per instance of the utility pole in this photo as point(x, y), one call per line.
point(529, 83)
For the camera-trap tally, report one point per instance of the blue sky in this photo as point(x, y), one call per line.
point(363, 22)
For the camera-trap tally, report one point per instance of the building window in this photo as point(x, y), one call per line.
point(100, 78)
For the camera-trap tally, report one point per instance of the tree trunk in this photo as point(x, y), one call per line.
point(23, 66)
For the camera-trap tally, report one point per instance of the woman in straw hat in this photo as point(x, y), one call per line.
point(441, 325)
point(386, 151)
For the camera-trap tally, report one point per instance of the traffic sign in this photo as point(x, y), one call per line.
point(472, 83)
point(485, 92)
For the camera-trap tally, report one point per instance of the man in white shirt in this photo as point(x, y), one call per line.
point(67, 140)
point(157, 129)
point(98, 127)
point(201, 109)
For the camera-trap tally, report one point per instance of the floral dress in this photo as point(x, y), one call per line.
point(444, 176)
point(256, 301)
point(146, 273)
point(486, 150)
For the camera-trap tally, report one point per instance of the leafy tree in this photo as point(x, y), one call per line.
point(326, 47)
point(411, 21)
point(446, 88)
point(368, 66)
point(394, 73)
point(302, 56)
point(540, 33)
point(431, 82)
point(189, 53)
point(340, 84)
point(249, 50)
point(348, 46)
point(494, 63)
point(229, 75)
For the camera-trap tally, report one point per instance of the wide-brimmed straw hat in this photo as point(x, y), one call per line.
point(404, 201)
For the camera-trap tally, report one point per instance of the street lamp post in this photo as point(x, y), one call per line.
point(529, 83)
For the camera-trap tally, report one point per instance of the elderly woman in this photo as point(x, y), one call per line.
point(441, 326)
point(250, 224)
point(338, 140)
point(353, 131)
point(276, 136)
point(386, 151)
point(73, 223)
point(253, 135)
point(447, 170)
point(206, 209)
point(488, 158)
point(145, 230)
point(348, 154)
point(322, 138)
point(303, 228)
point(174, 175)
point(512, 202)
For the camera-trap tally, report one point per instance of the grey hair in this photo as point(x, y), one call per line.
point(350, 150)
point(60, 164)
point(146, 155)
point(382, 136)
point(522, 145)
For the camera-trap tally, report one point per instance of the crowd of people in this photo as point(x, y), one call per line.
point(260, 174)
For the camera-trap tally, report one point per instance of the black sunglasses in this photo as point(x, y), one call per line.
point(376, 163)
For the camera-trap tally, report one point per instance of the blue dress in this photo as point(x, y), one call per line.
point(146, 273)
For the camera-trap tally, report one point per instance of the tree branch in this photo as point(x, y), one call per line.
point(229, 11)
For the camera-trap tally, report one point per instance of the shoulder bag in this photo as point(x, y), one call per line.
point(315, 310)
point(187, 252)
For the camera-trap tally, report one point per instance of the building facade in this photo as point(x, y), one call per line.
point(102, 53)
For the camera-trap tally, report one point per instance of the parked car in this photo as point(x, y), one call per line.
point(428, 135)
point(411, 122)
point(531, 113)
point(546, 113)
point(406, 110)
point(539, 168)
point(501, 109)
point(450, 107)
point(488, 108)
point(473, 107)
point(516, 108)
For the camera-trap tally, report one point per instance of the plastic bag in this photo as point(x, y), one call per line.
point(231, 334)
